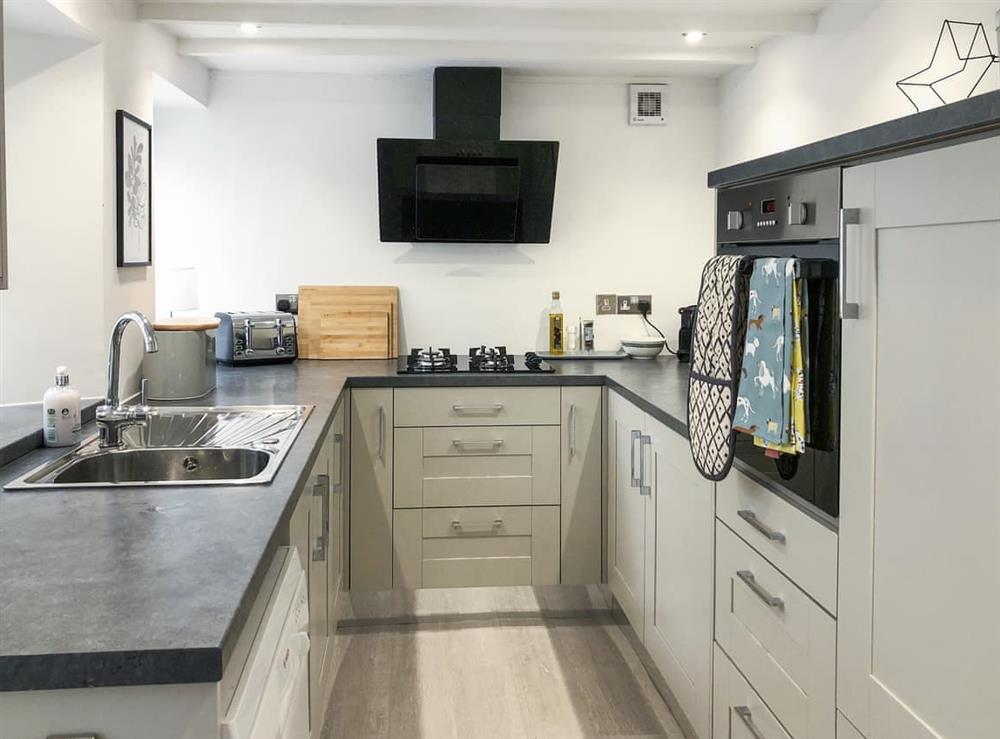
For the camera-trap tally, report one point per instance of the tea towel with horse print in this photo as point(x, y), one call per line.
point(763, 401)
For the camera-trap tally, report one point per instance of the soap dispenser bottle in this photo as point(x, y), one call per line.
point(61, 412)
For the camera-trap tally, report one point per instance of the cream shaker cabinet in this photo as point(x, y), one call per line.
point(317, 493)
point(660, 551)
point(582, 482)
point(371, 488)
point(455, 486)
point(679, 574)
point(627, 505)
point(918, 649)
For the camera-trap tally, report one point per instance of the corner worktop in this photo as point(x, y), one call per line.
point(152, 585)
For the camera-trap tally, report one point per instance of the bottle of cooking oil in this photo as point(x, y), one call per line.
point(555, 325)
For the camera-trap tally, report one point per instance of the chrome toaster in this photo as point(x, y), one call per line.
point(256, 338)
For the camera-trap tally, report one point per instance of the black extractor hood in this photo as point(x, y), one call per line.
point(465, 184)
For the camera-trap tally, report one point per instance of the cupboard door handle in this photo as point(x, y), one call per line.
point(572, 430)
point(644, 486)
point(848, 217)
point(747, 718)
point(482, 445)
point(771, 600)
point(322, 488)
point(751, 518)
point(381, 433)
point(459, 527)
point(636, 436)
point(478, 409)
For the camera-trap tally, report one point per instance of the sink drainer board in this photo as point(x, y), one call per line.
point(237, 445)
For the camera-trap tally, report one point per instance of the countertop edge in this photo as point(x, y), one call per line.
point(978, 116)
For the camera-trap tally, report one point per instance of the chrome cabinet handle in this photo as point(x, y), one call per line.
point(848, 217)
point(321, 489)
point(771, 600)
point(381, 433)
point(747, 718)
point(480, 409)
point(751, 518)
point(459, 527)
point(636, 436)
point(482, 445)
point(645, 488)
point(572, 430)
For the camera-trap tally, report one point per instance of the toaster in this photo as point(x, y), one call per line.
point(255, 337)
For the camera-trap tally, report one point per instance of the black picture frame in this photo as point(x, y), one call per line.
point(134, 199)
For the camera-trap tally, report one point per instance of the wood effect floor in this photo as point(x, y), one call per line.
point(501, 674)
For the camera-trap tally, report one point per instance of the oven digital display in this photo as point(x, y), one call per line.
point(768, 206)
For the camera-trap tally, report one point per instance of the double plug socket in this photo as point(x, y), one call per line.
point(608, 304)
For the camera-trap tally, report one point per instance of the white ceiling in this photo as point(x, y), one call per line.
point(633, 37)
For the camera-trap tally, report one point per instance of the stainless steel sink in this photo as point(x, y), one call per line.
point(241, 445)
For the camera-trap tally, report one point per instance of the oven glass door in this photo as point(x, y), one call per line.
point(813, 476)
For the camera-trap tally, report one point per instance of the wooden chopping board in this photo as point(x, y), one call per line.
point(348, 322)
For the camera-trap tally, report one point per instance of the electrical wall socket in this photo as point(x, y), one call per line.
point(629, 304)
point(291, 298)
point(606, 305)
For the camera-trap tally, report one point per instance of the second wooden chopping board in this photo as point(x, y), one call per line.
point(348, 322)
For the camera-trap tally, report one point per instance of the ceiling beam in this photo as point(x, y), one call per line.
point(455, 18)
point(495, 52)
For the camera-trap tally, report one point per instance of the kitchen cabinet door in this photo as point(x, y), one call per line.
point(338, 465)
point(371, 489)
point(581, 485)
point(318, 492)
point(919, 566)
point(679, 573)
point(627, 512)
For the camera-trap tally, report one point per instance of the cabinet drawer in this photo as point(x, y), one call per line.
point(802, 548)
point(462, 547)
point(476, 466)
point(476, 406)
point(738, 710)
point(777, 636)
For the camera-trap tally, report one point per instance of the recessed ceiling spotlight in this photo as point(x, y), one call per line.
point(694, 37)
point(249, 29)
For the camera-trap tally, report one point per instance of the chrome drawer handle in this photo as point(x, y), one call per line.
point(460, 444)
point(747, 718)
point(572, 430)
point(381, 433)
point(636, 436)
point(482, 409)
point(645, 488)
point(751, 518)
point(458, 526)
point(771, 600)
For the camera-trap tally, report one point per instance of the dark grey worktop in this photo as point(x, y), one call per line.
point(151, 585)
point(975, 116)
point(21, 432)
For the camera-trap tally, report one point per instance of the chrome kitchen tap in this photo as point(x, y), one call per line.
point(112, 416)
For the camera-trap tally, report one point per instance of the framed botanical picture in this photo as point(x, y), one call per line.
point(134, 147)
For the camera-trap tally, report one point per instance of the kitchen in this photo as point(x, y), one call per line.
point(367, 534)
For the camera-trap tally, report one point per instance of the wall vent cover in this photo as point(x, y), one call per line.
point(647, 105)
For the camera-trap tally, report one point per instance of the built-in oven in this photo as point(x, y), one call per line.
point(798, 216)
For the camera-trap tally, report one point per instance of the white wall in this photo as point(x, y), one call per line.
point(805, 88)
point(274, 186)
point(65, 288)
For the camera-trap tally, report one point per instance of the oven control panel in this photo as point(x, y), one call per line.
point(802, 207)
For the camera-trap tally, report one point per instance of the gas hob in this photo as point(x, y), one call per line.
point(480, 360)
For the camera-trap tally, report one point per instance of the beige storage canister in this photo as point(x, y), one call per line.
point(184, 366)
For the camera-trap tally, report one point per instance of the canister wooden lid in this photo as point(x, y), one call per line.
point(186, 323)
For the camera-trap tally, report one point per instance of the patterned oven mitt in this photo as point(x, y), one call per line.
point(716, 359)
